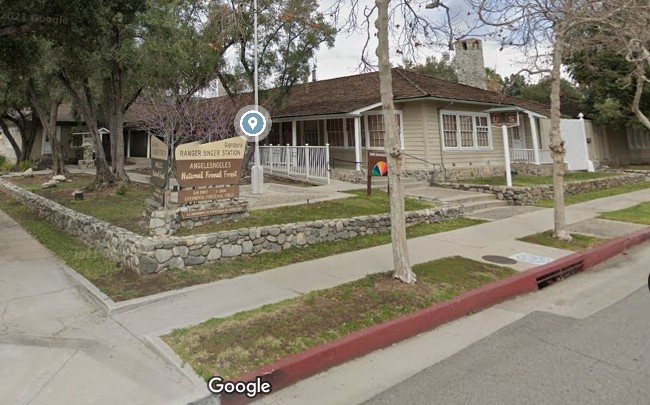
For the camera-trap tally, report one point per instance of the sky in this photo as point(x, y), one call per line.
point(343, 59)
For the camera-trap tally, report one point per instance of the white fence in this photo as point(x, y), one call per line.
point(528, 156)
point(309, 163)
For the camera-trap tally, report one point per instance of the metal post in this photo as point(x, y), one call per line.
point(270, 149)
point(257, 174)
point(506, 149)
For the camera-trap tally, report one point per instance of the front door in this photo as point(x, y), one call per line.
point(516, 140)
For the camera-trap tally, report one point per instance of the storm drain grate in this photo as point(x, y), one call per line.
point(560, 274)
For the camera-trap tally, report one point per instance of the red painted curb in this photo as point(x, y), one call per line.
point(315, 360)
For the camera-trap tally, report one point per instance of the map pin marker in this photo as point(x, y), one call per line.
point(252, 121)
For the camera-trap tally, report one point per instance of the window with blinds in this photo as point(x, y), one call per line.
point(465, 130)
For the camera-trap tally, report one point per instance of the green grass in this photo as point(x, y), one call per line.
point(358, 205)
point(242, 343)
point(528, 181)
point(593, 195)
point(639, 214)
point(121, 284)
point(123, 209)
point(580, 242)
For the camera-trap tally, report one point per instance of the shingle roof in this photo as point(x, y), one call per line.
point(347, 94)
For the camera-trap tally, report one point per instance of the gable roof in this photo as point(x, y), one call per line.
point(345, 95)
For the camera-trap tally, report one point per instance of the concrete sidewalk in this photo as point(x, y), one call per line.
point(57, 348)
point(252, 291)
point(60, 349)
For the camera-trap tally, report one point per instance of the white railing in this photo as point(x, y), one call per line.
point(522, 155)
point(309, 163)
point(545, 156)
point(528, 156)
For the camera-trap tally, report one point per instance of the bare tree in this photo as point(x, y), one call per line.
point(541, 29)
point(412, 31)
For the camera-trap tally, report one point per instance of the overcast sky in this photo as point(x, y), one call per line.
point(343, 59)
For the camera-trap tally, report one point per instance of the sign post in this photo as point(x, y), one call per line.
point(506, 120)
point(159, 168)
point(377, 166)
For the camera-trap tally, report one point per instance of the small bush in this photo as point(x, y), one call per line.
point(25, 164)
point(5, 164)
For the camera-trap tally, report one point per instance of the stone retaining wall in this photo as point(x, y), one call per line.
point(531, 195)
point(167, 222)
point(147, 255)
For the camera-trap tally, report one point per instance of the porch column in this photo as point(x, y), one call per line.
point(357, 142)
point(128, 144)
point(149, 145)
point(294, 133)
point(534, 135)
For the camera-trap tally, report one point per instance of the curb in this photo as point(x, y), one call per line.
point(301, 366)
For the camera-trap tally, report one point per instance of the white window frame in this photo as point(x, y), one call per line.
point(365, 115)
point(474, 115)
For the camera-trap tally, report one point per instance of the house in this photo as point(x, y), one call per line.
point(445, 128)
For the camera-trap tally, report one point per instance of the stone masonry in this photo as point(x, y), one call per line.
point(531, 195)
point(148, 255)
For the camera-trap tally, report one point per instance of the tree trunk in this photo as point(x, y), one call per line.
point(14, 144)
point(117, 122)
point(28, 141)
point(639, 76)
point(58, 160)
point(47, 119)
point(394, 156)
point(86, 106)
point(557, 144)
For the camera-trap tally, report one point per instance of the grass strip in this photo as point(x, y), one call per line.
point(359, 205)
point(527, 181)
point(578, 244)
point(244, 342)
point(593, 195)
point(639, 214)
point(122, 284)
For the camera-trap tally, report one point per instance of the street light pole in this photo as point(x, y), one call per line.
point(257, 174)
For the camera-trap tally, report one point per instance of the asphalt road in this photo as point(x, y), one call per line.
point(545, 359)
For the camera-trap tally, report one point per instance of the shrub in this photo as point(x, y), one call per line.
point(25, 164)
point(5, 164)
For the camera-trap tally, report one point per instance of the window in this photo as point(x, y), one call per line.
point(377, 130)
point(349, 124)
point(310, 135)
point(638, 138)
point(287, 132)
point(482, 132)
point(462, 130)
point(335, 133)
point(274, 135)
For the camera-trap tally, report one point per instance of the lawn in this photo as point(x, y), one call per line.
point(639, 214)
point(593, 195)
point(123, 209)
point(121, 284)
point(242, 343)
point(580, 242)
point(358, 205)
point(528, 181)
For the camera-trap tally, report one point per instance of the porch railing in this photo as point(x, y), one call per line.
point(528, 156)
point(309, 163)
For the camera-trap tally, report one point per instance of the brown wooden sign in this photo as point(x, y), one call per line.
point(377, 166)
point(211, 164)
point(212, 211)
point(159, 162)
point(207, 194)
point(509, 119)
